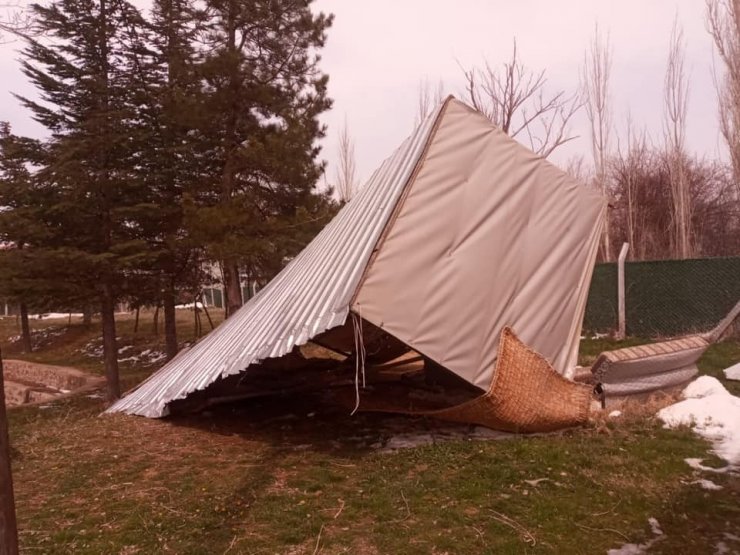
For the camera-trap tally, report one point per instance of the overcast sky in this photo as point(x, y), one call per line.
point(378, 53)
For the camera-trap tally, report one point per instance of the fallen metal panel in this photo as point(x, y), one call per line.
point(309, 296)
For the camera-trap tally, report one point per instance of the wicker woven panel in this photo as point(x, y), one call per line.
point(527, 394)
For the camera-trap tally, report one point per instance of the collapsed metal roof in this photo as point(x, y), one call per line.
point(462, 232)
point(309, 296)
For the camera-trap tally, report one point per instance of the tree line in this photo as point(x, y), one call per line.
point(662, 199)
point(189, 134)
point(183, 135)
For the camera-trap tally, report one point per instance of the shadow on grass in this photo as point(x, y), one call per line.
point(313, 421)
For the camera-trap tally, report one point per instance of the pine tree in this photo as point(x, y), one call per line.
point(19, 227)
point(86, 66)
point(263, 95)
point(170, 114)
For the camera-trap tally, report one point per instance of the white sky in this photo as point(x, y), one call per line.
point(378, 53)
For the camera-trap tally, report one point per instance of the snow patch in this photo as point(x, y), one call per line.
point(696, 465)
point(721, 548)
point(733, 372)
point(655, 526)
point(704, 386)
point(640, 548)
point(712, 412)
point(93, 349)
point(54, 315)
point(628, 549)
point(189, 305)
point(707, 484)
point(146, 357)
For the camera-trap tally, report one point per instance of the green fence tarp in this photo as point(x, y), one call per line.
point(664, 298)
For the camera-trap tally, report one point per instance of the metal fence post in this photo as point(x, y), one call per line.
point(8, 527)
point(622, 331)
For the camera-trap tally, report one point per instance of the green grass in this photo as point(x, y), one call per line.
point(265, 477)
point(719, 357)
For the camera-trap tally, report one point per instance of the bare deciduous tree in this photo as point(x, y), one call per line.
point(346, 175)
point(676, 94)
point(595, 86)
point(14, 20)
point(515, 100)
point(627, 169)
point(723, 17)
point(577, 168)
point(641, 191)
point(429, 97)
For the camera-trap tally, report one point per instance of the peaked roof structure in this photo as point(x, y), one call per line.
point(459, 233)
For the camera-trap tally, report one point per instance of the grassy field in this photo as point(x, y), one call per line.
point(294, 476)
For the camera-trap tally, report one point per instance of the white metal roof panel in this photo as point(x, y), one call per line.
point(309, 296)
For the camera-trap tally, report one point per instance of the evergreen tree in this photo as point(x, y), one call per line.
point(86, 66)
point(171, 114)
point(18, 223)
point(263, 95)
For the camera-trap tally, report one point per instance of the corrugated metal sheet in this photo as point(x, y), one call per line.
point(311, 294)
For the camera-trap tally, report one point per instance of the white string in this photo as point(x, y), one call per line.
point(362, 344)
point(359, 356)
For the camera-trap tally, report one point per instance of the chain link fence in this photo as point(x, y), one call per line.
point(664, 298)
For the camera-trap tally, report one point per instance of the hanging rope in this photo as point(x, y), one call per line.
point(359, 356)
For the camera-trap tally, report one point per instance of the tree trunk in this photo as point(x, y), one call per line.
point(232, 288)
point(136, 320)
point(156, 321)
point(196, 317)
point(229, 268)
point(205, 310)
point(8, 527)
point(110, 344)
point(87, 312)
point(170, 325)
point(607, 239)
point(25, 329)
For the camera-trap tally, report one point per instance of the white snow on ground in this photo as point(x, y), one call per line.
point(188, 305)
point(721, 548)
point(655, 526)
point(628, 549)
point(733, 372)
point(54, 315)
point(147, 357)
point(696, 465)
point(707, 484)
point(639, 548)
point(714, 414)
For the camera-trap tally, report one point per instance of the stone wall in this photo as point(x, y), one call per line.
point(30, 382)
